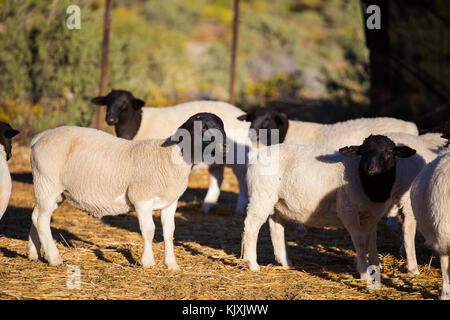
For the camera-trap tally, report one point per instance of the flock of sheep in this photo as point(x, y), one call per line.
point(348, 174)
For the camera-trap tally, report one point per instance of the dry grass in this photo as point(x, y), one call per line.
point(207, 247)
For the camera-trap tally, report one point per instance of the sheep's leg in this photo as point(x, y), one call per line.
point(253, 222)
point(445, 268)
point(240, 171)
point(144, 211)
point(351, 222)
point(371, 244)
point(168, 224)
point(34, 244)
point(369, 229)
point(279, 244)
point(41, 217)
point(215, 181)
point(409, 234)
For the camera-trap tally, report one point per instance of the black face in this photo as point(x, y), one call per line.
point(199, 129)
point(377, 154)
point(120, 106)
point(6, 135)
point(377, 164)
point(268, 119)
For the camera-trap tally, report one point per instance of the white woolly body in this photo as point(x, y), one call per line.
point(105, 175)
point(316, 187)
point(158, 123)
point(313, 184)
point(102, 174)
point(428, 147)
point(430, 200)
point(351, 132)
point(5, 182)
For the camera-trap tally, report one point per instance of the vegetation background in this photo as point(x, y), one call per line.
point(307, 55)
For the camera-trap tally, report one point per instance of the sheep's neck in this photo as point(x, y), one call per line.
point(129, 128)
point(378, 187)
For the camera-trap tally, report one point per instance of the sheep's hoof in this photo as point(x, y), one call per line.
point(445, 296)
point(284, 262)
point(33, 254)
point(253, 266)
point(364, 276)
point(414, 271)
point(207, 206)
point(54, 261)
point(148, 264)
point(173, 266)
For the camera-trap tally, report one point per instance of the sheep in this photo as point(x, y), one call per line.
point(134, 122)
point(325, 135)
point(430, 200)
point(318, 187)
point(105, 175)
point(428, 147)
point(6, 135)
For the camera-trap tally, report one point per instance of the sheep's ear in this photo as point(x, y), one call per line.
point(243, 117)
point(169, 142)
point(351, 151)
point(101, 101)
point(404, 152)
point(11, 133)
point(281, 119)
point(138, 103)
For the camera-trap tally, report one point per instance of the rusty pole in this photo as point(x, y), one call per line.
point(105, 62)
point(234, 50)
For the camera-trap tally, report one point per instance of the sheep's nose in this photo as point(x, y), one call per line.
point(372, 170)
point(111, 120)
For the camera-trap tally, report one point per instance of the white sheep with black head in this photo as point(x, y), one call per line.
point(133, 121)
point(318, 187)
point(105, 175)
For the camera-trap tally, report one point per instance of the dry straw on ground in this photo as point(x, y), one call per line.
point(207, 247)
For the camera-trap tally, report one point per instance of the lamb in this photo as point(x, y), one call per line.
point(6, 135)
point(134, 122)
point(325, 135)
point(105, 175)
point(318, 187)
point(430, 200)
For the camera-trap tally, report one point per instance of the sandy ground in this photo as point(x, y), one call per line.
point(106, 254)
